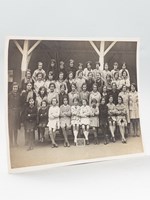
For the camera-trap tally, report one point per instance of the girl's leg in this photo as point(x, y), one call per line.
point(133, 127)
point(137, 127)
point(87, 133)
point(65, 136)
point(52, 137)
point(31, 139)
point(75, 132)
point(95, 135)
point(104, 130)
point(38, 129)
point(122, 132)
point(67, 131)
point(42, 132)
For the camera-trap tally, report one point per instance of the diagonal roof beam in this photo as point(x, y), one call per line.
point(18, 46)
point(110, 46)
point(95, 48)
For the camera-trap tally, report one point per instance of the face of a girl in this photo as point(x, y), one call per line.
point(119, 100)
point(52, 64)
point(116, 75)
point(124, 74)
point(124, 89)
point(103, 101)
point(40, 65)
point(39, 77)
point(42, 91)
point(50, 77)
point(124, 66)
point(80, 67)
point(94, 88)
point(97, 66)
point(73, 88)
point(62, 89)
point(115, 66)
point(106, 66)
point(89, 66)
point(108, 78)
point(65, 101)
point(61, 76)
point(114, 86)
point(54, 102)
point(31, 102)
point(61, 66)
point(80, 75)
point(98, 76)
point(28, 74)
point(90, 75)
point(43, 104)
point(111, 100)
point(71, 76)
point(75, 102)
point(29, 86)
point(52, 88)
point(71, 64)
point(84, 102)
point(15, 88)
point(132, 88)
point(104, 89)
point(84, 88)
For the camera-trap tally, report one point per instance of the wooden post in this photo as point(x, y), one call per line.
point(101, 58)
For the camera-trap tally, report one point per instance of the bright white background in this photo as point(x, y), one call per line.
point(120, 179)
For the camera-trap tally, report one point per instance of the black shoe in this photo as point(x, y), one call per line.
point(95, 141)
point(68, 145)
point(87, 142)
point(55, 145)
point(113, 139)
point(65, 144)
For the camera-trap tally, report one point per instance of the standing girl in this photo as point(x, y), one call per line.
point(80, 81)
point(90, 81)
point(31, 122)
point(103, 119)
point(42, 119)
point(70, 81)
point(84, 94)
point(112, 117)
point(53, 120)
point(85, 119)
point(60, 81)
point(65, 122)
point(105, 93)
point(121, 117)
point(52, 93)
point(94, 121)
point(80, 68)
point(134, 109)
point(50, 79)
point(75, 118)
point(39, 82)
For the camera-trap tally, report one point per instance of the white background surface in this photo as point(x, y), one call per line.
point(119, 179)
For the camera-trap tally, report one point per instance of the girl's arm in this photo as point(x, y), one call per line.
point(57, 112)
point(68, 113)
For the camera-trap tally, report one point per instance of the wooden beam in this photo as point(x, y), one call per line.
point(33, 47)
point(101, 58)
point(24, 63)
point(110, 46)
point(18, 46)
point(95, 47)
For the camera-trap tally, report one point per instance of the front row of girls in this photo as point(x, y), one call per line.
point(106, 116)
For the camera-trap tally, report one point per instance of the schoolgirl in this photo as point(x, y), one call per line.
point(90, 81)
point(37, 71)
point(71, 67)
point(112, 117)
point(124, 68)
point(84, 94)
point(73, 94)
point(105, 93)
point(53, 120)
point(25, 95)
point(80, 81)
point(108, 82)
point(65, 121)
point(115, 69)
point(70, 81)
point(99, 82)
point(114, 92)
point(125, 96)
point(53, 68)
point(75, 118)
point(52, 93)
point(121, 118)
point(39, 82)
point(42, 119)
point(95, 95)
point(31, 122)
point(134, 109)
point(97, 70)
point(87, 70)
point(85, 112)
point(94, 121)
point(50, 79)
point(103, 119)
point(62, 94)
point(117, 80)
point(106, 72)
point(62, 69)
point(60, 81)
point(26, 80)
point(80, 68)
point(125, 80)
point(42, 95)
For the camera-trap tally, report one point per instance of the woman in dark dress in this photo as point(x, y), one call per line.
point(103, 119)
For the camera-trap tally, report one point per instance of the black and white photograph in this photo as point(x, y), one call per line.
point(72, 101)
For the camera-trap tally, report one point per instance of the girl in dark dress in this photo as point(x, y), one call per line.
point(42, 119)
point(103, 119)
point(31, 121)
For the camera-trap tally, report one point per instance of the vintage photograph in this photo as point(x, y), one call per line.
point(72, 100)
